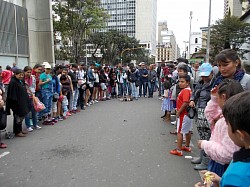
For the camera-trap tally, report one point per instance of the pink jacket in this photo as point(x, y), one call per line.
point(220, 147)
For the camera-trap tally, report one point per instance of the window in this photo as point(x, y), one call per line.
point(196, 40)
point(195, 50)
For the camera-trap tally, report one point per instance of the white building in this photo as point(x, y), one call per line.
point(135, 18)
point(195, 42)
point(26, 38)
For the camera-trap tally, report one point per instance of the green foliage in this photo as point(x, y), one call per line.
point(112, 45)
point(76, 20)
point(229, 32)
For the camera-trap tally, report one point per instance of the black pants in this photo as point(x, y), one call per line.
point(17, 124)
point(80, 98)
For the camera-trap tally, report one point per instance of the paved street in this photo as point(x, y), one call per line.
point(111, 144)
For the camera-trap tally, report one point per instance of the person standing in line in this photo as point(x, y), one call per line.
point(195, 73)
point(46, 85)
point(152, 75)
point(199, 99)
point(143, 72)
point(6, 77)
point(18, 101)
point(30, 82)
point(184, 123)
point(167, 104)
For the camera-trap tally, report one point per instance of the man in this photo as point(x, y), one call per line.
point(143, 72)
point(195, 73)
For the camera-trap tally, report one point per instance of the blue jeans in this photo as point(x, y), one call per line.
point(144, 85)
point(151, 87)
point(65, 110)
point(129, 88)
point(47, 96)
point(134, 92)
point(33, 114)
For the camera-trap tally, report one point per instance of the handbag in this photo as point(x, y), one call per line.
point(38, 105)
point(191, 112)
point(3, 119)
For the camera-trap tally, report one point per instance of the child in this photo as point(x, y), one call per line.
point(184, 123)
point(65, 103)
point(220, 147)
point(167, 105)
point(237, 116)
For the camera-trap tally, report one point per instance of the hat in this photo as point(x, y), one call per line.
point(47, 66)
point(205, 69)
point(141, 64)
point(44, 63)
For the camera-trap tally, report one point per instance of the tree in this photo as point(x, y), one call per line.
point(229, 32)
point(75, 20)
point(112, 43)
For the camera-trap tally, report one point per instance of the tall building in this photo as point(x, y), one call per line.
point(26, 32)
point(166, 49)
point(135, 18)
point(233, 6)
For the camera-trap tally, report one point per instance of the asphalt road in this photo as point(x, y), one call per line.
point(111, 144)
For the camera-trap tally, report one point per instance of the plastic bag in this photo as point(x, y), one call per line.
point(38, 105)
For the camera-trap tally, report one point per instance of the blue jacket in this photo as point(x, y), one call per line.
point(238, 172)
point(143, 72)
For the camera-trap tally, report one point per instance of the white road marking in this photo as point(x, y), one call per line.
point(4, 154)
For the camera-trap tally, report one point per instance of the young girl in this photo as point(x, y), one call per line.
point(65, 103)
point(220, 147)
point(167, 105)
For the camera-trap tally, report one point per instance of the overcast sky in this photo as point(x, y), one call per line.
point(176, 13)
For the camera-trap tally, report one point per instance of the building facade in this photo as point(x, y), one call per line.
point(166, 49)
point(195, 42)
point(234, 7)
point(135, 18)
point(26, 32)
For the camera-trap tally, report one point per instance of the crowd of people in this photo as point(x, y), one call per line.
point(213, 99)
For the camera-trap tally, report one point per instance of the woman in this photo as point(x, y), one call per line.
point(199, 99)
point(46, 87)
point(18, 101)
point(151, 80)
point(229, 65)
point(30, 82)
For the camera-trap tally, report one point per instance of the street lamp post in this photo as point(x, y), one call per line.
point(190, 27)
point(208, 33)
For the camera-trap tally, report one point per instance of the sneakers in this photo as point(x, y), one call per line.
point(96, 101)
point(176, 152)
point(29, 129)
point(187, 149)
point(60, 118)
point(3, 145)
point(37, 127)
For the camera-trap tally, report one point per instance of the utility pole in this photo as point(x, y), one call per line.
point(190, 27)
point(208, 33)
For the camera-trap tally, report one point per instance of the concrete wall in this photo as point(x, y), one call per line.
point(40, 31)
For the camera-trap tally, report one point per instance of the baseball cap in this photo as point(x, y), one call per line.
point(44, 63)
point(205, 69)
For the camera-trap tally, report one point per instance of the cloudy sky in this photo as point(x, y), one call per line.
point(176, 13)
